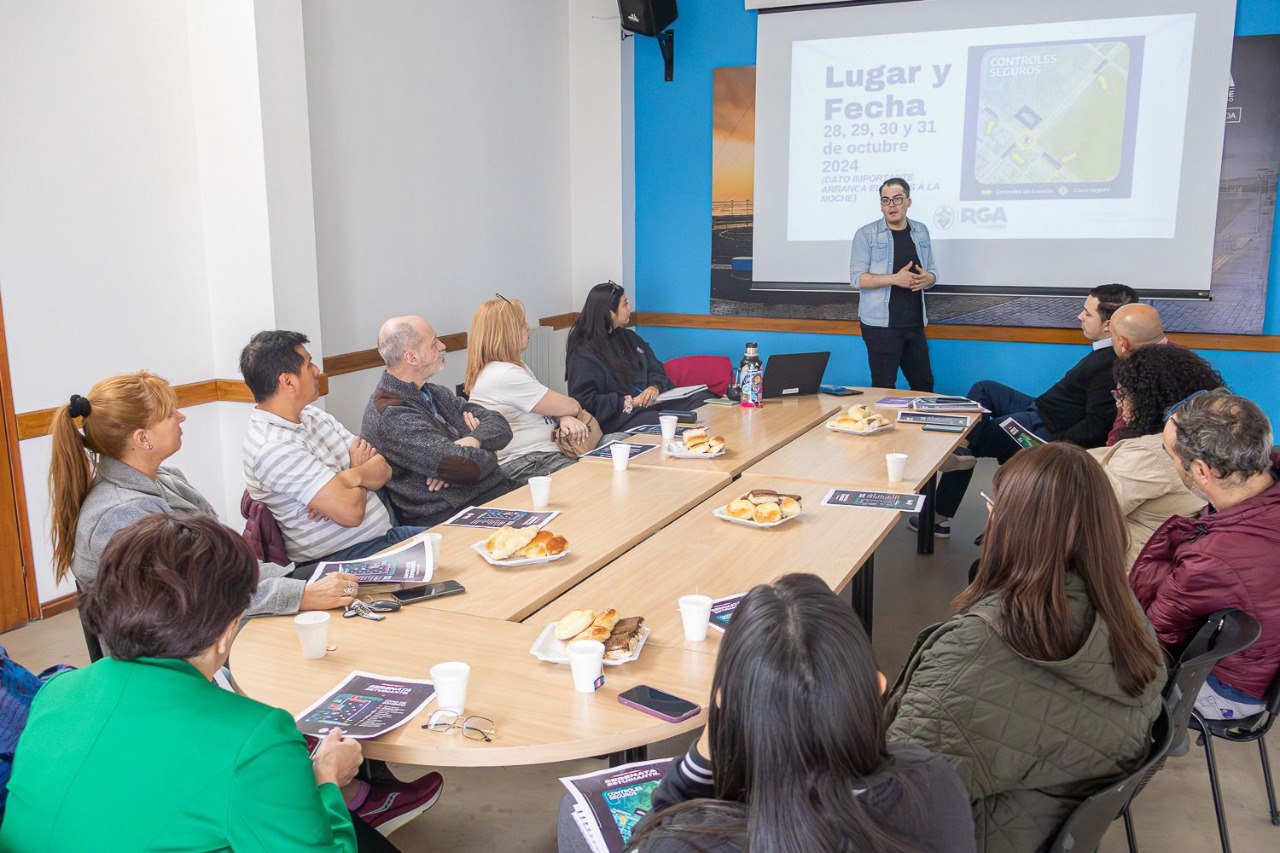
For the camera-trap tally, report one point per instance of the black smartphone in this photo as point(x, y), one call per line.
point(941, 428)
point(654, 702)
point(438, 589)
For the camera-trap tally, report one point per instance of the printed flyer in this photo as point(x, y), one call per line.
point(608, 804)
point(366, 705)
point(408, 564)
point(899, 501)
point(492, 517)
point(603, 451)
point(722, 610)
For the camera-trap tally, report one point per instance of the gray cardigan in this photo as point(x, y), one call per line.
point(121, 495)
point(417, 445)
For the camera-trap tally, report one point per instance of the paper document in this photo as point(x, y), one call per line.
point(608, 804)
point(682, 391)
point(366, 705)
point(411, 563)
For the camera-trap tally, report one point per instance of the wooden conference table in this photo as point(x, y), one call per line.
point(638, 539)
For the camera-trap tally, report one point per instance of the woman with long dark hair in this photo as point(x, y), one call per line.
point(794, 758)
point(610, 369)
point(1045, 683)
point(1146, 482)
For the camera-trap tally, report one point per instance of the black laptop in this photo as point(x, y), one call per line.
point(793, 374)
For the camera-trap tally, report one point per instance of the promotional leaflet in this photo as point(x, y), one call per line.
point(656, 429)
point(411, 563)
point(609, 803)
point(900, 501)
point(366, 705)
point(937, 420)
point(722, 610)
point(493, 517)
point(1024, 437)
point(895, 402)
point(603, 451)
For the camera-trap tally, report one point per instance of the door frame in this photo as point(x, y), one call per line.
point(20, 575)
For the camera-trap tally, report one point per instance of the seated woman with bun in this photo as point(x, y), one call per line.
point(108, 474)
point(610, 369)
point(794, 755)
point(1043, 686)
point(1146, 482)
point(141, 751)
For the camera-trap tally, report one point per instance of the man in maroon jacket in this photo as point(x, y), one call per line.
point(1228, 555)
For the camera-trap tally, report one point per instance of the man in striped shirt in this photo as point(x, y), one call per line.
point(318, 480)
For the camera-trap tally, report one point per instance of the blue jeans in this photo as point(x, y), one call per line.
point(361, 549)
point(987, 440)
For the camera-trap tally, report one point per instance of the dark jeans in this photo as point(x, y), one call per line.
point(987, 440)
point(891, 348)
point(361, 549)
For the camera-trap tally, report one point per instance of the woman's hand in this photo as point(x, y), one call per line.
point(647, 397)
point(337, 759)
point(573, 429)
point(330, 592)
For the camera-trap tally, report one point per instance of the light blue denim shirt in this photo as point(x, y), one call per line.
point(873, 253)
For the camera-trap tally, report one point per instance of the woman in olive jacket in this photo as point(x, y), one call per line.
point(1045, 684)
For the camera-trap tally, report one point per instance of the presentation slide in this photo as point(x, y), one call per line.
point(1023, 143)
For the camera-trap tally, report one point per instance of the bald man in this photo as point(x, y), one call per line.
point(1133, 327)
point(441, 448)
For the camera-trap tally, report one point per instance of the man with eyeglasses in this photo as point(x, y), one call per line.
point(891, 265)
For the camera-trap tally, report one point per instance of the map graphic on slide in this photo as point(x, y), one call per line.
point(1055, 119)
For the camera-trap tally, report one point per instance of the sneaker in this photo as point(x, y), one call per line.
point(959, 462)
point(941, 529)
point(388, 807)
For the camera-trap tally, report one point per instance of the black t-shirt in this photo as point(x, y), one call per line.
point(906, 307)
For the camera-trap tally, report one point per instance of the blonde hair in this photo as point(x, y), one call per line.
point(117, 407)
point(496, 330)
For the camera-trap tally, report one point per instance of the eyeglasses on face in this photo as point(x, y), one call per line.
point(1168, 413)
point(474, 728)
point(895, 201)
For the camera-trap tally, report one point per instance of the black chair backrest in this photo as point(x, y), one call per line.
point(1223, 633)
point(1084, 829)
point(90, 638)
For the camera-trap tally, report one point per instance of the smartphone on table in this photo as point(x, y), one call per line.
point(438, 589)
point(658, 704)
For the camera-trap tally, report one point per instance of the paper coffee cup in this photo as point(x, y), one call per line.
point(540, 491)
point(897, 465)
point(435, 540)
point(695, 613)
point(586, 662)
point(668, 425)
point(313, 633)
point(451, 685)
point(621, 455)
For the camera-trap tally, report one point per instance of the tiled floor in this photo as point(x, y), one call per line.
point(492, 809)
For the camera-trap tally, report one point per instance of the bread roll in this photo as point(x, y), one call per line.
point(767, 513)
point(505, 541)
point(741, 508)
point(606, 619)
point(695, 439)
point(574, 623)
point(543, 545)
point(789, 506)
point(596, 632)
point(715, 443)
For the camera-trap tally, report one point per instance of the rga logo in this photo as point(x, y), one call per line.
point(987, 218)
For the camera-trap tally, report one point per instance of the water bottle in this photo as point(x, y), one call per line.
point(751, 378)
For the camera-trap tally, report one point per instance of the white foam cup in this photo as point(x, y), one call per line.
point(540, 491)
point(586, 662)
point(621, 455)
point(668, 425)
point(451, 685)
point(897, 465)
point(695, 612)
point(313, 633)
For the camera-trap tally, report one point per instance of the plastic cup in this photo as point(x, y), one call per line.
point(586, 662)
point(668, 426)
point(451, 685)
point(897, 465)
point(313, 633)
point(695, 612)
point(621, 455)
point(435, 540)
point(540, 491)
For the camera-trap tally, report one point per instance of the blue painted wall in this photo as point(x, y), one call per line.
point(673, 225)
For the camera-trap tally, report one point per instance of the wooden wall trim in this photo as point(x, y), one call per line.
point(559, 321)
point(61, 604)
point(941, 331)
point(367, 359)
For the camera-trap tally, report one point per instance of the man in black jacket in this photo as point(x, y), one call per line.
point(1079, 408)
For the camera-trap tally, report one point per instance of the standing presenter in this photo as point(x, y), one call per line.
point(891, 266)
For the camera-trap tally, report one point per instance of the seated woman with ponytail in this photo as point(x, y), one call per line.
point(106, 477)
point(794, 756)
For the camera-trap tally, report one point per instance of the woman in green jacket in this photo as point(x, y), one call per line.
point(1046, 682)
point(141, 751)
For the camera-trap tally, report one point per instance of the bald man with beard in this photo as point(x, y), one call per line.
point(1133, 327)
